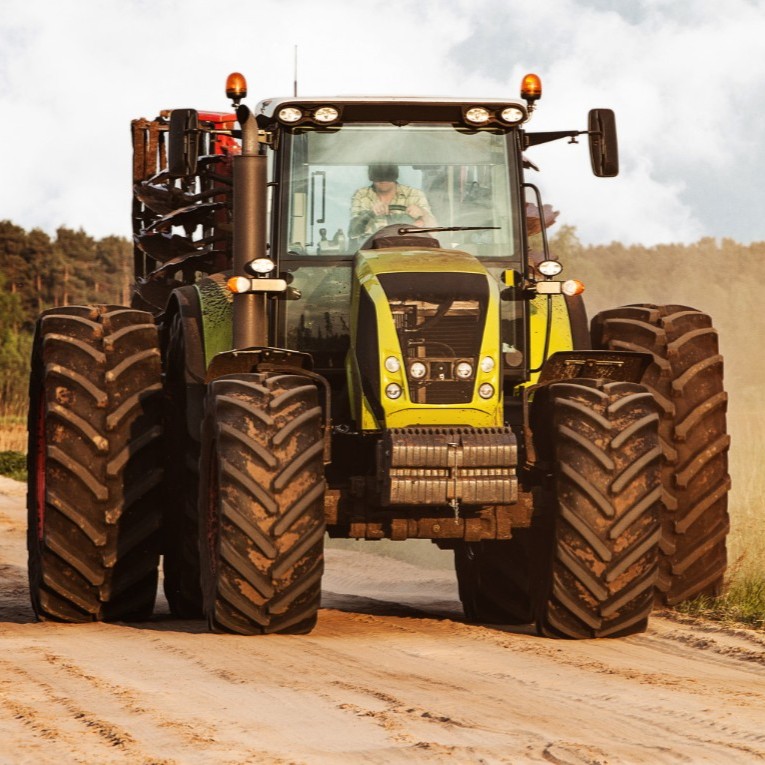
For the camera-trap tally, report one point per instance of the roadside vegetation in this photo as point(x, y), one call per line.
point(38, 272)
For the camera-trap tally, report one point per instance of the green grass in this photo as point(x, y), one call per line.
point(13, 465)
point(743, 604)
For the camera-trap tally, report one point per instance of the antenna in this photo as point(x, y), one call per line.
point(294, 82)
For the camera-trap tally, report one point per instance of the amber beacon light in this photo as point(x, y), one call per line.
point(531, 89)
point(236, 87)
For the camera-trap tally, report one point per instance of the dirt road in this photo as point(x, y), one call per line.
point(390, 675)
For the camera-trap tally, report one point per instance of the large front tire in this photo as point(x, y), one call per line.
point(95, 443)
point(262, 504)
point(686, 377)
point(604, 543)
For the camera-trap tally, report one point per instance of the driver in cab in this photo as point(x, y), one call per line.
point(386, 201)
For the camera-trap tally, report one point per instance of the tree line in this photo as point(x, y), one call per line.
point(38, 271)
point(719, 277)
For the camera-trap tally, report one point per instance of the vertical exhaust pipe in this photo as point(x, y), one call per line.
point(250, 179)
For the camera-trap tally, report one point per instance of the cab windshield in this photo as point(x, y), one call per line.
point(347, 184)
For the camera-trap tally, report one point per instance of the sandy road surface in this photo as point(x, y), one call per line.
point(390, 675)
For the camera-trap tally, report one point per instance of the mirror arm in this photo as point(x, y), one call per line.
point(534, 139)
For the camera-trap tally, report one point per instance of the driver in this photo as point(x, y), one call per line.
point(386, 201)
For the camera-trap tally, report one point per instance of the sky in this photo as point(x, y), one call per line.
point(686, 79)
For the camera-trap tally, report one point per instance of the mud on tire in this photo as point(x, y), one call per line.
point(605, 531)
point(262, 504)
point(686, 377)
point(95, 447)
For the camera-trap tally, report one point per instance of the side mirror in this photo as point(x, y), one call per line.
point(183, 142)
point(604, 150)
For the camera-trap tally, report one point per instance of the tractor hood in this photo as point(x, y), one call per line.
point(372, 263)
point(425, 343)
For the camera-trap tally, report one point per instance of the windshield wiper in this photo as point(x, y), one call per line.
point(423, 230)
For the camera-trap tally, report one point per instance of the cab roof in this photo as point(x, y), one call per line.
point(394, 109)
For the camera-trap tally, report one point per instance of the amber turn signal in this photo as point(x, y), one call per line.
point(572, 287)
point(239, 284)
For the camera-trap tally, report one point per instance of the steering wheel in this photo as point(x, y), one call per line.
point(398, 214)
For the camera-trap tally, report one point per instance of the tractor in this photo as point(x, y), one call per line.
point(294, 366)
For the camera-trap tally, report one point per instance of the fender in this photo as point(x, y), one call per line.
point(614, 366)
point(216, 315)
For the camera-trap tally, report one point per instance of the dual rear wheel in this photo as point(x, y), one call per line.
point(99, 436)
point(518, 582)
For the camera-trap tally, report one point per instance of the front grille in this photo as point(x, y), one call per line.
point(439, 319)
point(460, 334)
point(451, 392)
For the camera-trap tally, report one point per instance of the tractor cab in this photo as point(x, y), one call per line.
point(394, 196)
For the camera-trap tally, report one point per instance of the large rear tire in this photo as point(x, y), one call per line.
point(606, 456)
point(686, 377)
point(262, 504)
point(95, 444)
point(180, 562)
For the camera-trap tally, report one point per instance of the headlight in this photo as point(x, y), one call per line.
point(487, 364)
point(512, 114)
point(464, 370)
point(477, 115)
point(392, 364)
point(260, 266)
point(550, 267)
point(417, 370)
point(486, 390)
point(290, 114)
point(393, 390)
point(326, 114)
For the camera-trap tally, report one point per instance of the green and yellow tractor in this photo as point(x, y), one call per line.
point(339, 327)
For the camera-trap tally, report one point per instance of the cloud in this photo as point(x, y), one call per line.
point(686, 82)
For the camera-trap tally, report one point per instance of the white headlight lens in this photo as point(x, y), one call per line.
point(261, 265)
point(326, 114)
point(550, 267)
point(290, 114)
point(487, 364)
point(392, 364)
point(418, 370)
point(393, 390)
point(477, 115)
point(512, 114)
point(486, 391)
point(464, 370)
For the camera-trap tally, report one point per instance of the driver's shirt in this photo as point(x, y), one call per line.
point(368, 222)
